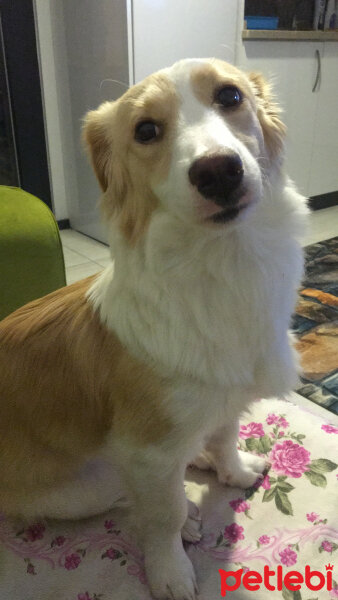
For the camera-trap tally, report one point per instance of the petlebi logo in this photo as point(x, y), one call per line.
point(288, 583)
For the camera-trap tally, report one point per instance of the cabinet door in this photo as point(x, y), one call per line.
point(292, 67)
point(95, 54)
point(165, 31)
point(324, 166)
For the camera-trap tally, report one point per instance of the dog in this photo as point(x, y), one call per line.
point(148, 365)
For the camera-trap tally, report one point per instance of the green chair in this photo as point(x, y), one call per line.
point(31, 257)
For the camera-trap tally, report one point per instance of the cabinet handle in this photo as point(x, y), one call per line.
point(319, 70)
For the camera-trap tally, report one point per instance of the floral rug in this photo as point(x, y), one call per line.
point(287, 522)
point(316, 325)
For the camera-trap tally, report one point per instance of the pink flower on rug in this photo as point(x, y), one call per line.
point(327, 546)
point(288, 557)
point(234, 533)
point(264, 539)
point(289, 459)
point(272, 419)
point(239, 505)
point(35, 532)
point(109, 524)
point(31, 569)
point(254, 430)
point(84, 596)
point(330, 428)
point(266, 485)
point(111, 553)
point(312, 517)
point(60, 540)
point(72, 562)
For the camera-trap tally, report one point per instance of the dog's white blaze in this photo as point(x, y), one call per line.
point(200, 131)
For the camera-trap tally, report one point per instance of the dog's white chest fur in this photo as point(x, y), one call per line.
point(211, 309)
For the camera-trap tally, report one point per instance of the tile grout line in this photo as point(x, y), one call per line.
point(79, 253)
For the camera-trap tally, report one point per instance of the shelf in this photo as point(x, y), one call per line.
point(281, 34)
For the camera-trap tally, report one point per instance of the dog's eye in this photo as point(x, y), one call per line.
point(146, 132)
point(228, 96)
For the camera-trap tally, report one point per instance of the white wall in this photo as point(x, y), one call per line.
point(168, 30)
point(48, 29)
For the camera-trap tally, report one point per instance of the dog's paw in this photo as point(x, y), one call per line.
point(191, 530)
point(257, 463)
point(171, 576)
point(246, 472)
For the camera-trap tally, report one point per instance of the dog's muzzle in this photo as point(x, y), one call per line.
point(217, 177)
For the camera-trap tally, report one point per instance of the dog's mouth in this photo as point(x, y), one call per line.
point(230, 210)
point(228, 214)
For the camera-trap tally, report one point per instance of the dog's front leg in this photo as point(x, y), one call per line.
point(233, 467)
point(156, 484)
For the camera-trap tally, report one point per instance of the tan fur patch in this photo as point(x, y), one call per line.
point(268, 113)
point(125, 168)
point(65, 382)
point(96, 139)
point(209, 77)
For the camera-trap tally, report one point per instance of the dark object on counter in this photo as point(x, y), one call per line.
point(303, 16)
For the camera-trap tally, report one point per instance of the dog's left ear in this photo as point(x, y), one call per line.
point(95, 136)
point(268, 113)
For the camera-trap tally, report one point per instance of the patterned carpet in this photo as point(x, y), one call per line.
point(286, 521)
point(316, 325)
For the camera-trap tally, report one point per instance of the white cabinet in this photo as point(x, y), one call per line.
point(324, 165)
point(165, 31)
point(311, 117)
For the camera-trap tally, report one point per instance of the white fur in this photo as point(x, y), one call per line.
point(209, 308)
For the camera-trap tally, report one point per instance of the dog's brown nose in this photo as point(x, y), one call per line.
point(217, 176)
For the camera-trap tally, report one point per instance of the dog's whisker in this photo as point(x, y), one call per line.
point(122, 83)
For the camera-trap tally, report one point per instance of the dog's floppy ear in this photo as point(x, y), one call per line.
point(268, 113)
point(119, 201)
point(95, 134)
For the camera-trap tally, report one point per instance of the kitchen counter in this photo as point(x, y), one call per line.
point(281, 34)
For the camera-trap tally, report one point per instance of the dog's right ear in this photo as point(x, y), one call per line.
point(268, 113)
point(96, 128)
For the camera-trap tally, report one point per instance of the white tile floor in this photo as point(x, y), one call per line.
point(85, 256)
point(323, 225)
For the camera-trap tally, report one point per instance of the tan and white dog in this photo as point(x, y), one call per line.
point(147, 366)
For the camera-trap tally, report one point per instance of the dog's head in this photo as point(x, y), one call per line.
point(197, 140)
